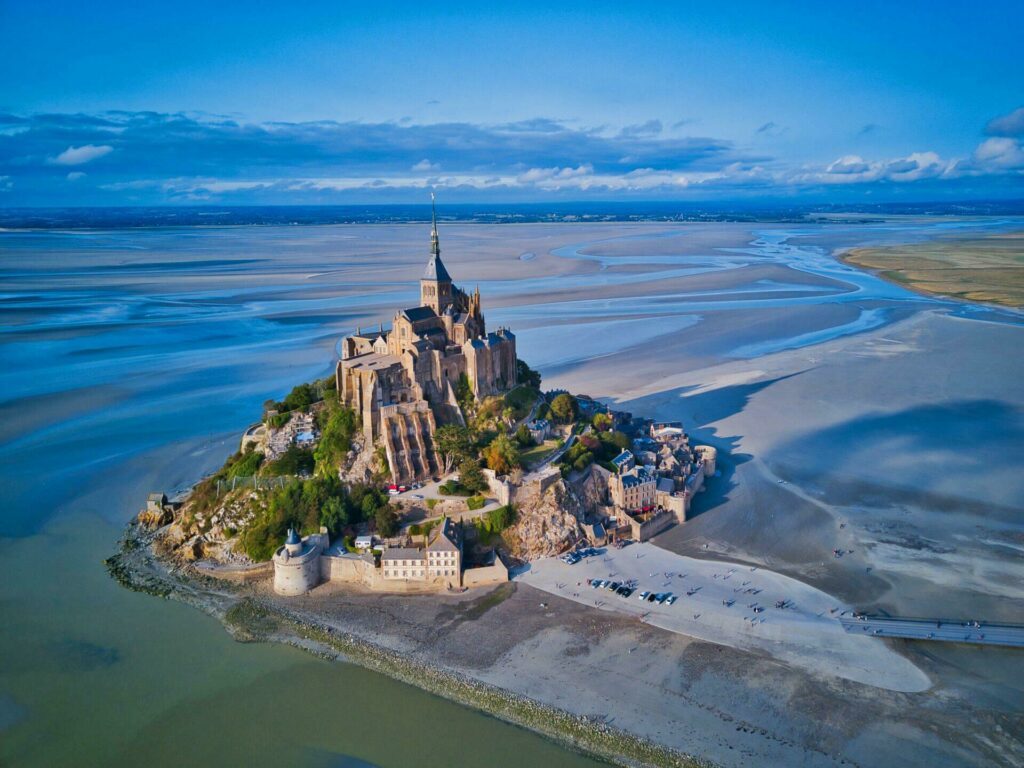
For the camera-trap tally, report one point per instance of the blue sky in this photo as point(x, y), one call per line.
point(144, 103)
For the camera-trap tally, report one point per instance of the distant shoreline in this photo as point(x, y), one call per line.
point(28, 218)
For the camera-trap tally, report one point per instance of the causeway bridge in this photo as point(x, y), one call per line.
point(943, 630)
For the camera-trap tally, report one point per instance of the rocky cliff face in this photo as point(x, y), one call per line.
point(593, 489)
point(549, 521)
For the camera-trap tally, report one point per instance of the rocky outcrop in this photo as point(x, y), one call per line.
point(155, 517)
point(593, 488)
point(550, 521)
point(361, 463)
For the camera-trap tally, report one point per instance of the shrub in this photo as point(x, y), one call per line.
point(501, 518)
point(476, 502)
point(584, 461)
point(278, 420)
point(431, 503)
point(337, 427)
point(464, 395)
point(244, 464)
point(294, 461)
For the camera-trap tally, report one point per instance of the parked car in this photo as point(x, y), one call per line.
point(626, 591)
point(644, 595)
point(614, 586)
point(651, 597)
point(671, 599)
point(662, 597)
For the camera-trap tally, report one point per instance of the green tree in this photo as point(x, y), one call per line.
point(334, 515)
point(301, 397)
point(602, 422)
point(386, 521)
point(564, 408)
point(523, 436)
point(471, 477)
point(620, 440)
point(501, 455)
point(526, 375)
point(454, 443)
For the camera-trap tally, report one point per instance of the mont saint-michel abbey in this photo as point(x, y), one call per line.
point(403, 381)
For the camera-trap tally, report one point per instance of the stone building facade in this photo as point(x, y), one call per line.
point(403, 380)
point(306, 562)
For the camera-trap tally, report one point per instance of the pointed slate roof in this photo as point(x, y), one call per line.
point(436, 270)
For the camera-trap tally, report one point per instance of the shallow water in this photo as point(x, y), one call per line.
point(130, 361)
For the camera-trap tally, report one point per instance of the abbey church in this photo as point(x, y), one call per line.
point(403, 381)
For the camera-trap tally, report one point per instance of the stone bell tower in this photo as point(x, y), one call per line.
point(436, 283)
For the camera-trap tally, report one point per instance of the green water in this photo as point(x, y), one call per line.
point(93, 674)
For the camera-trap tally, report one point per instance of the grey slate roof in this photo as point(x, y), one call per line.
point(402, 553)
point(622, 458)
point(436, 270)
point(418, 313)
point(444, 538)
point(638, 477)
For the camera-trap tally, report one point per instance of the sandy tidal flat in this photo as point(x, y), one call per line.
point(806, 633)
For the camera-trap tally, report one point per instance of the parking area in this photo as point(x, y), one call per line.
point(737, 605)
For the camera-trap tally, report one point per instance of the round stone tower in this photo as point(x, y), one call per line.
point(297, 565)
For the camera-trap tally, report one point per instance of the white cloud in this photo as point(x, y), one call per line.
point(848, 164)
point(426, 165)
point(999, 154)
point(81, 155)
point(75, 176)
point(852, 169)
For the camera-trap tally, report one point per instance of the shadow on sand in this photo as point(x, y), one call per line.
point(697, 411)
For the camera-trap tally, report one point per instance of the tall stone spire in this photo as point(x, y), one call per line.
point(435, 243)
point(435, 268)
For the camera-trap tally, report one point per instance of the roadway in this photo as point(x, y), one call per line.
point(947, 630)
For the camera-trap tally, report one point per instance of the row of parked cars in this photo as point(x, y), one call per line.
point(395, 490)
point(575, 556)
point(627, 590)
